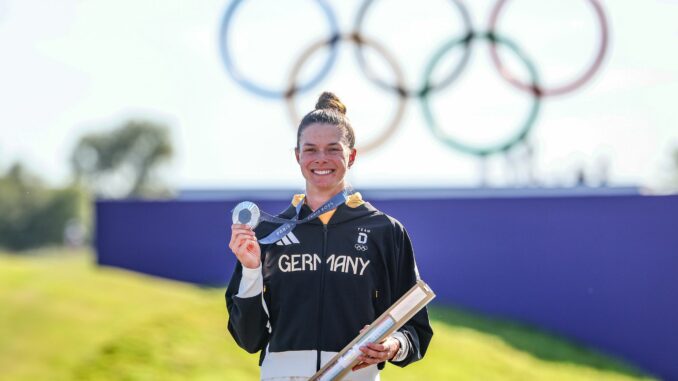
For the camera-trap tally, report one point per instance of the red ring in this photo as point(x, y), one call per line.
point(560, 90)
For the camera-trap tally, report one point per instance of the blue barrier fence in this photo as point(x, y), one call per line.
point(600, 269)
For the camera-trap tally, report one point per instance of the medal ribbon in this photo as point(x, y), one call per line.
point(288, 225)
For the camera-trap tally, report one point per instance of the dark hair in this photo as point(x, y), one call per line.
point(329, 110)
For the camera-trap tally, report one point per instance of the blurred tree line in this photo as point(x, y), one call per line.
point(120, 163)
point(32, 214)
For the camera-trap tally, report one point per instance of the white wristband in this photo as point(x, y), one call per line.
point(404, 346)
point(251, 283)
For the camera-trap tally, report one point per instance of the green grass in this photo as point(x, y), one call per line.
point(63, 318)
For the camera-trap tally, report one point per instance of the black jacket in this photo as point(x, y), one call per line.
point(321, 291)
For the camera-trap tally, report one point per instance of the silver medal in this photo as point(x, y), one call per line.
point(246, 213)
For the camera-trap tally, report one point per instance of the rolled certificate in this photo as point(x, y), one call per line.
point(395, 317)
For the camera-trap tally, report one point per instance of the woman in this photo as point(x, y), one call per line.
point(301, 299)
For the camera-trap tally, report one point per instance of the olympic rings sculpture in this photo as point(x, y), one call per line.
point(426, 89)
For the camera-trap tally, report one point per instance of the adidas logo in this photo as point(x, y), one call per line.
point(289, 239)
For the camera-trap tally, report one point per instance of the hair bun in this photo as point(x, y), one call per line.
point(328, 100)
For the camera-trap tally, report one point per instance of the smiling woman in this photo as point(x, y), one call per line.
point(325, 149)
point(301, 299)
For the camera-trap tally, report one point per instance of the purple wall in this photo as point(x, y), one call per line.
point(601, 269)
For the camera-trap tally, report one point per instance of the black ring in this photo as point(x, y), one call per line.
point(426, 87)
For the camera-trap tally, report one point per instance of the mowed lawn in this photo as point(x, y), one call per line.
point(64, 318)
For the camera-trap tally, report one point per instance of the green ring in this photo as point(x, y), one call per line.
point(490, 149)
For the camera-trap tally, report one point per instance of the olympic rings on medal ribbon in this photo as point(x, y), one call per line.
point(426, 89)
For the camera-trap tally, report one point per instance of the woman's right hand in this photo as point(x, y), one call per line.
point(245, 246)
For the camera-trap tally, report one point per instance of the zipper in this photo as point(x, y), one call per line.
point(322, 291)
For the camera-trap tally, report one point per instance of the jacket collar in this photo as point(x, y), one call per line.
point(354, 207)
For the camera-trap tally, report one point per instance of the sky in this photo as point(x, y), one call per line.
point(74, 67)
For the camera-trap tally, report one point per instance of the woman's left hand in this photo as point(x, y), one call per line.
point(374, 353)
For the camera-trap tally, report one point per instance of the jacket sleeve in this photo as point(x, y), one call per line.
point(247, 317)
point(417, 330)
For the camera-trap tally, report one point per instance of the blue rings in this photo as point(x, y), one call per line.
point(262, 90)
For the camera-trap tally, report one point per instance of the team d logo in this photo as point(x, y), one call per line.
point(362, 238)
point(361, 241)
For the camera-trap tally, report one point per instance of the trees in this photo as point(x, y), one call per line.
point(119, 163)
point(123, 162)
point(31, 214)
